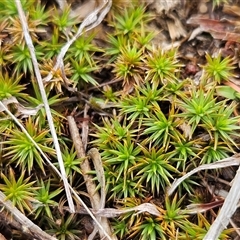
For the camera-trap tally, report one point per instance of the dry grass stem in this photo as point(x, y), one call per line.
point(45, 102)
point(90, 22)
point(226, 162)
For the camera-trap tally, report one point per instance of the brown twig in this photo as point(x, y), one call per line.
point(105, 230)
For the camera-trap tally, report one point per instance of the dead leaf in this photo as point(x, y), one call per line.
point(112, 212)
point(165, 5)
point(21, 110)
point(169, 15)
point(27, 111)
point(223, 29)
point(7, 101)
point(203, 207)
point(145, 207)
point(176, 29)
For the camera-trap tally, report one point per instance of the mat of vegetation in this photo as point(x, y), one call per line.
point(153, 91)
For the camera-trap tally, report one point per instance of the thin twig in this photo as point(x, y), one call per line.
point(45, 102)
point(98, 166)
point(90, 185)
point(97, 162)
point(85, 127)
